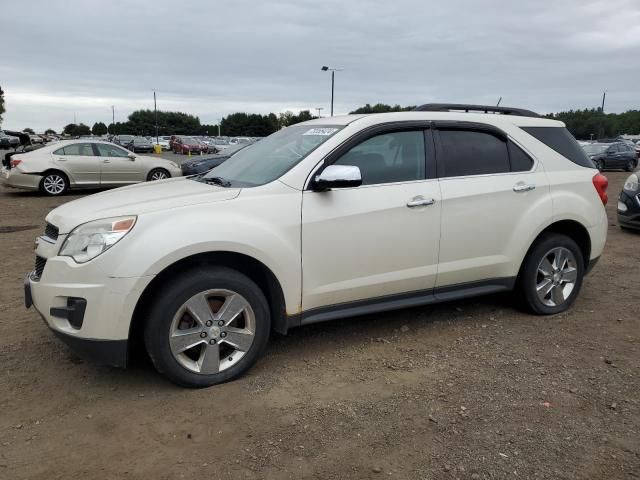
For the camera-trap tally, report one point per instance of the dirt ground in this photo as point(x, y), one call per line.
point(473, 389)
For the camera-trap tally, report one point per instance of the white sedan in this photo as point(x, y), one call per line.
point(82, 164)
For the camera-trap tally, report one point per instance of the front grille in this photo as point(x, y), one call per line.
point(51, 231)
point(40, 263)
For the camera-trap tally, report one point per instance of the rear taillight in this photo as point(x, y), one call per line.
point(600, 182)
point(15, 162)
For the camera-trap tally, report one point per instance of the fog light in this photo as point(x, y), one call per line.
point(622, 207)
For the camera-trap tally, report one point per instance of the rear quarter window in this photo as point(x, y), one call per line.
point(560, 140)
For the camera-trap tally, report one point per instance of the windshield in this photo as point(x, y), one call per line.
point(190, 141)
point(264, 161)
point(594, 148)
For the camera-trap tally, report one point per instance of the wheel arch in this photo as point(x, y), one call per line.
point(572, 229)
point(254, 269)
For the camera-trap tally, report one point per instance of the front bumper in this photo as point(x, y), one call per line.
point(90, 311)
point(16, 179)
point(630, 218)
point(113, 353)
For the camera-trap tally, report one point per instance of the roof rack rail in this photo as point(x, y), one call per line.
point(452, 107)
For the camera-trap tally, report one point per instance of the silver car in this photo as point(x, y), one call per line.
point(70, 164)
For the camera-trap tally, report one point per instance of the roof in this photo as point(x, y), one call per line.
point(493, 118)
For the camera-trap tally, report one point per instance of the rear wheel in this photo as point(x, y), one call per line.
point(158, 174)
point(631, 165)
point(54, 183)
point(552, 274)
point(207, 327)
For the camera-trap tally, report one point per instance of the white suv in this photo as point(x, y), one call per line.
point(327, 219)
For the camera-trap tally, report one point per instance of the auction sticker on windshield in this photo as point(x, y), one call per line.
point(321, 131)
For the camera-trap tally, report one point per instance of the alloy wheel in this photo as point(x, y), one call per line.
point(556, 277)
point(158, 175)
point(54, 184)
point(212, 331)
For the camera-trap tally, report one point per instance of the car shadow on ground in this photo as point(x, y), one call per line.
point(351, 333)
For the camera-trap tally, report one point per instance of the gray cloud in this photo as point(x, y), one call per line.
point(213, 58)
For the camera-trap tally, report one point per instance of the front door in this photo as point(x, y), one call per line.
point(378, 239)
point(80, 162)
point(117, 168)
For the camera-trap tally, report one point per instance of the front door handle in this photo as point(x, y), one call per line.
point(106, 161)
point(420, 202)
point(523, 187)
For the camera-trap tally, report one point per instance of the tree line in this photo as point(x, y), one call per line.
point(583, 124)
point(143, 122)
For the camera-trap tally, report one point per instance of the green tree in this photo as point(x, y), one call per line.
point(99, 128)
point(2, 110)
point(29, 130)
point(383, 108)
point(252, 125)
point(76, 130)
point(49, 131)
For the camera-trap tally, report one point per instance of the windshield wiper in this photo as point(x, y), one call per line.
point(217, 181)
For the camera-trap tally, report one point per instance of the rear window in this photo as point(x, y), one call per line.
point(560, 140)
point(472, 153)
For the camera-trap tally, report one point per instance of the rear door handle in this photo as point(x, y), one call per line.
point(420, 202)
point(62, 159)
point(523, 187)
point(106, 161)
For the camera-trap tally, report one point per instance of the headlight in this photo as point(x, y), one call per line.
point(175, 165)
point(89, 240)
point(631, 185)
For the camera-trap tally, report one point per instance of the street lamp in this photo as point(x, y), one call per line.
point(333, 71)
point(319, 109)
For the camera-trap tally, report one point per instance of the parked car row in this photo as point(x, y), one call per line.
point(12, 139)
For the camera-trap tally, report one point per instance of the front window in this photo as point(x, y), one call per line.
point(272, 157)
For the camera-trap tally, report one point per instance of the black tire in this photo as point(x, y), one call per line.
point(54, 183)
point(529, 275)
point(599, 164)
point(631, 165)
point(173, 296)
point(156, 172)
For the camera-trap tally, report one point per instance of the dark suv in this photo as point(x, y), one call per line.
point(612, 155)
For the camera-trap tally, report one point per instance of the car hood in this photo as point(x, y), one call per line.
point(136, 200)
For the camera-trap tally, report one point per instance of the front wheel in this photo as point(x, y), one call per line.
point(158, 174)
point(552, 274)
point(599, 164)
point(54, 183)
point(207, 327)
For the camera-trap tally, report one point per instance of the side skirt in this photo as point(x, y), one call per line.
point(403, 300)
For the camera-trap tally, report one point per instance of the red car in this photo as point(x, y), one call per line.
point(187, 145)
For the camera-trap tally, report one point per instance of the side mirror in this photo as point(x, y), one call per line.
point(131, 155)
point(337, 176)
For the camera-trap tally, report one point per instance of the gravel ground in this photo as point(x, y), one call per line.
point(469, 390)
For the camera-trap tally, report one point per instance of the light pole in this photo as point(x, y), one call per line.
point(155, 114)
point(333, 71)
point(113, 119)
point(319, 108)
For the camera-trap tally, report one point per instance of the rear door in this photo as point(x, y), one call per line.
point(117, 168)
point(493, 196)
point(80, 162)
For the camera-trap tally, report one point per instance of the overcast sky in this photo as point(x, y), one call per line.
point(214, 58)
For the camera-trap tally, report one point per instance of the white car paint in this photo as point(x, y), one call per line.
point(324, 248)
